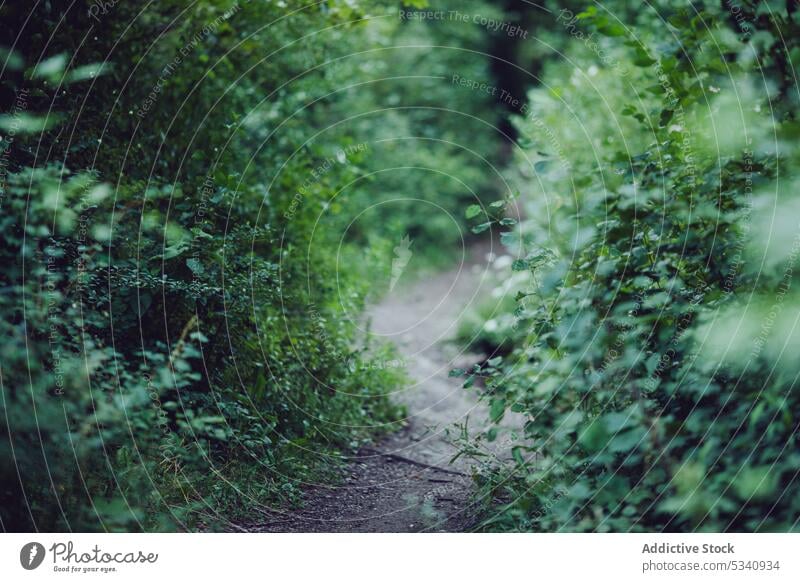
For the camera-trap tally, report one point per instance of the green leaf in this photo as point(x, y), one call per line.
point(11, 59)
point(497, 409)
point(51, 68)
point(642, 59)
point(86, 72)
point(473, 210)
point(625, 441)
point(612, 29)
point(755, 483)
point(22, 122)
point(617, 421)
point(519, 265)
point(594, 437)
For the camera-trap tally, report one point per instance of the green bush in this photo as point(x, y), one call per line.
point(180, 332)
point(656, 376)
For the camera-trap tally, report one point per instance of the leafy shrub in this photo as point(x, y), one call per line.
point(180, 337)
point(655, 374)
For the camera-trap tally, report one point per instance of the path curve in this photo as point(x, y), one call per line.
point(407, 482)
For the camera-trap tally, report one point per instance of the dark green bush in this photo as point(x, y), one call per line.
point(180, 337)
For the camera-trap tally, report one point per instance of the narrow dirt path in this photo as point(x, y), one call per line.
point(406, 483)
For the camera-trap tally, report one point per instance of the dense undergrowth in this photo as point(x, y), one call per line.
point(655, 347)
point(197, 199)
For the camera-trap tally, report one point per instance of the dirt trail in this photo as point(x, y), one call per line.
point(406, 483)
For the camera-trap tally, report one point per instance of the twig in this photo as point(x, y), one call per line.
point(413, 462)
